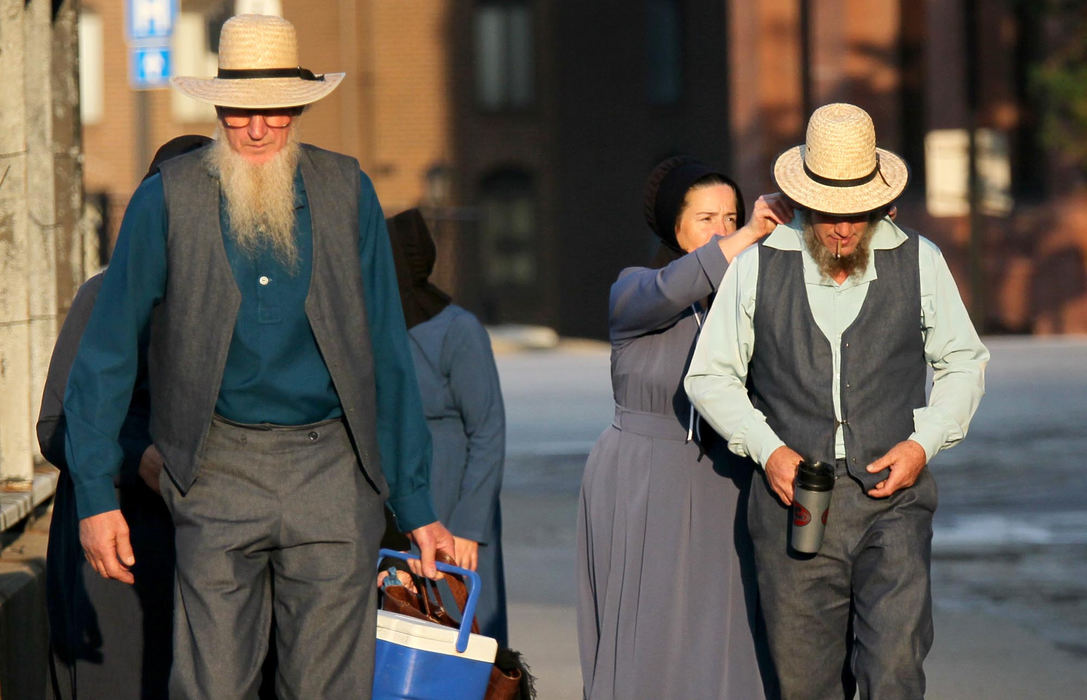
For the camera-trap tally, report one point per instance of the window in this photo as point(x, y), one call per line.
point(508, 248)
point(664, 51)
point(504, 54)
point(508, 229)
point(91, 77)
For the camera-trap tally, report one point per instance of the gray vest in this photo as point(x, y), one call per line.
point(883, 362)
point(192, 326)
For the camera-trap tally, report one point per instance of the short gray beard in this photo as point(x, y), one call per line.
point(259, 198)
point(856, 263)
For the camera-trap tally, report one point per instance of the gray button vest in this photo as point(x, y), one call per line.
point(883, 364)
point(192, 327)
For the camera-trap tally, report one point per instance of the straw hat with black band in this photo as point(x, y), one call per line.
point(258, 68)
point(839, 169)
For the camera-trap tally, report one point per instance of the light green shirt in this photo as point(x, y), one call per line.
point(717, 375)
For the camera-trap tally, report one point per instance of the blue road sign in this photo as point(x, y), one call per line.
point(149, 19)
point(149, 66)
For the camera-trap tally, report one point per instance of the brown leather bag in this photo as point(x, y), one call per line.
point(426, 603)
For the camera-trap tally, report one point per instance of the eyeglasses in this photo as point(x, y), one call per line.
point(274, 118)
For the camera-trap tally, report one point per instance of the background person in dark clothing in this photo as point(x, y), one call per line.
point(462, 402)
point(108, 639)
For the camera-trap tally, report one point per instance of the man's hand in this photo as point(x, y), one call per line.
point(151, 464)
point(781, 472)
point(429, 539)
point(467, 553)
point(106, 545)
point(905, 460)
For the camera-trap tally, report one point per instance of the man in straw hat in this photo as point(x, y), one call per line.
point(817, 347)
point(283, 398)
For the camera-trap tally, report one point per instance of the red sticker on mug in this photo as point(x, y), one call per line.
point(801, 515)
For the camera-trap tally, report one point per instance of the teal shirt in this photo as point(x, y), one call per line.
point(274, 371)
point(717, 376)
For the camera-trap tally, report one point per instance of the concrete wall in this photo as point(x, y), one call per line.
point(41, 257)
point(41, 264)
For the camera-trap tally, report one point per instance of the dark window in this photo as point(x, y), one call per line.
point(508, 228)
point(508, 246)
point(664, 47)
point(505, 54)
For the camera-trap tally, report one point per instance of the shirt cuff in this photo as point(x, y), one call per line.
point(761, 441)
point(467, 531)
point(413, 510)
point(929, 443)
point(95, 497)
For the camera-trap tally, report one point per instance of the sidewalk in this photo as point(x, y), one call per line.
point(557, 402)
point(975, 655)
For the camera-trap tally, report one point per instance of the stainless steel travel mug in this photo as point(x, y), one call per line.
point(811, 505)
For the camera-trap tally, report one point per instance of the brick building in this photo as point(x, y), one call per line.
point(526, 128)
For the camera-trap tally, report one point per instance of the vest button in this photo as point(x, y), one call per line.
point(264, 280)
point(313, 435)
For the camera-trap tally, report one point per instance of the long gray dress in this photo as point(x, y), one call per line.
point(666, 593)
point(462, 402)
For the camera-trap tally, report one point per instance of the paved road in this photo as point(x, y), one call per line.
point(1010, 571)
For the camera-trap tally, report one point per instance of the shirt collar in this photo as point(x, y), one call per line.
point(790, 236)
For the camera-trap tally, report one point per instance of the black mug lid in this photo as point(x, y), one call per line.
point(815, 476)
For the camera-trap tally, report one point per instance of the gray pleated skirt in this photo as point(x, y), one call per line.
point(666, 592)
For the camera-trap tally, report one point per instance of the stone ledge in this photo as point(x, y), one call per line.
point(17, 505)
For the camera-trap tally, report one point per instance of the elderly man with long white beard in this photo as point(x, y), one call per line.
point(283, 398)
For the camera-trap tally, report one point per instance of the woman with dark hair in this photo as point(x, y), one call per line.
point(666, 599)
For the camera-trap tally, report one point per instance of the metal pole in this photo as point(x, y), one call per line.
point(976, 247)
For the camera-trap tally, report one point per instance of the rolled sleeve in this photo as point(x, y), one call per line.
point(955, 352)
point(644, 300)
point(103, 374)
point(402, 434)
point(474, 385)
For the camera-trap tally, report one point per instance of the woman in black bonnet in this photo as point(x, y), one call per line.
point(666, 604)
point(462, 402)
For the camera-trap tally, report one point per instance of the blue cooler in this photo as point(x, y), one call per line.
point(421, 660)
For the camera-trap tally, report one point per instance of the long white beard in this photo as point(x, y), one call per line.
point(259, 197)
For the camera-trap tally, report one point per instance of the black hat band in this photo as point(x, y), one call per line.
point(250, 73)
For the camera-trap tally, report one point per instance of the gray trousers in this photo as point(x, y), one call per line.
point(278, 519)
point(875, 553)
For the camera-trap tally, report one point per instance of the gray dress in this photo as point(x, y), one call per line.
point(462, 402)
point(666, 593)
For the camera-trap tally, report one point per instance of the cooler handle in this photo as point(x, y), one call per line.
point(469, 612)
